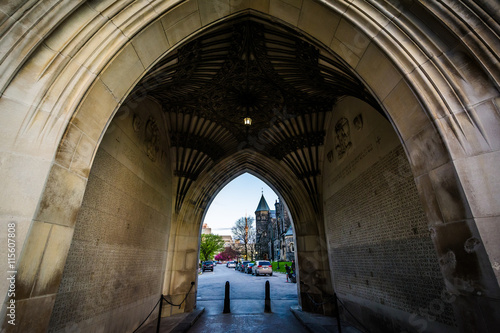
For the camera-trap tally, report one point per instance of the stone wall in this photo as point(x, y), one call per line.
point(114, 272)
point(384, 264)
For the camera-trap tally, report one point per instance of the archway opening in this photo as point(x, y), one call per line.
point(243, 202)
point(196, 143)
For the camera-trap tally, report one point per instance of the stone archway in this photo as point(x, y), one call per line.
point(447, 133)
point(307, 221)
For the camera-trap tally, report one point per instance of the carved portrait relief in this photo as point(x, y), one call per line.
point(358, 122)
point(136, 122)
point(152, 139)
point(343, 135)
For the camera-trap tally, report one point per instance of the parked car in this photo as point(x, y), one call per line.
point(241, 265)
point(207, 266)
point(248, 267)
point(262, 267)
point(231, 264)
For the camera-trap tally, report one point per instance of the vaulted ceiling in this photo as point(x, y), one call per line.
point(248, 68)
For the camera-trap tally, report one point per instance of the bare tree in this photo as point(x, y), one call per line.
point(239, 231)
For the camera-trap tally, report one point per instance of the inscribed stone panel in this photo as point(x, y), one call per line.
point(379, 243)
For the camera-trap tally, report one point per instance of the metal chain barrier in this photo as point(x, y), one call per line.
point(185, 297)
point(366, 330)
point(317, 305)
point(166, 300)
point(148, 316)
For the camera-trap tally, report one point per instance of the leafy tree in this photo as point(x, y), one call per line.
point(238, 231)
point(210, 244)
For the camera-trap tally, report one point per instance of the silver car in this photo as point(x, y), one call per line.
point(262, 267)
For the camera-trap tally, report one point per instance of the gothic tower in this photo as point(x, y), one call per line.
point(261, 224)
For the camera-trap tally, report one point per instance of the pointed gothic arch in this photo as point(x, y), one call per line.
point(87, 58)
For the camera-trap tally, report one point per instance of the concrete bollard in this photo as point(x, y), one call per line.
point(267, 306)
point(227, 307)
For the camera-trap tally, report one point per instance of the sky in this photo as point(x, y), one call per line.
point(237, 197)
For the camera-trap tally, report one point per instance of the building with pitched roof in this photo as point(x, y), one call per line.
point(271, 227)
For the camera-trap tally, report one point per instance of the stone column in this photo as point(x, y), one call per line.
point(182, 268)
point(313, 278)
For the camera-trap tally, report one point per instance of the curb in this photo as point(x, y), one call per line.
point(185, 324)
point(309, 322)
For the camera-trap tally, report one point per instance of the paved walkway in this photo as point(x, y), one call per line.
point(286, 317)
point(248, 316)
point(174, 324)
point(247, 308)
point(321, 324)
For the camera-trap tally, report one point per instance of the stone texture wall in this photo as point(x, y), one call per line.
point(384, 264)
point(114, 272)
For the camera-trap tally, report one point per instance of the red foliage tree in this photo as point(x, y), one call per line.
point(227, 254)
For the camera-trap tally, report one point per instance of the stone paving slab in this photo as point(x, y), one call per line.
point(245, 316)
point(248, 316)
point(179, 323)
point(317, 323)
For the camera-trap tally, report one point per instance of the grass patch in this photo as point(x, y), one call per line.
point(282, 266)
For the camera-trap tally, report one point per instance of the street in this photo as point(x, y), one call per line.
point(247, 306)
point(211, 285)
point(247, 293)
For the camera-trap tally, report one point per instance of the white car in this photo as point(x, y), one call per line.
point(262, 267)
point(231, 264)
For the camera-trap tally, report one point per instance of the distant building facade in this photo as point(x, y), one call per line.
point(206, 230)
point(272, 227)
point(228, 240)
point(289, 245)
